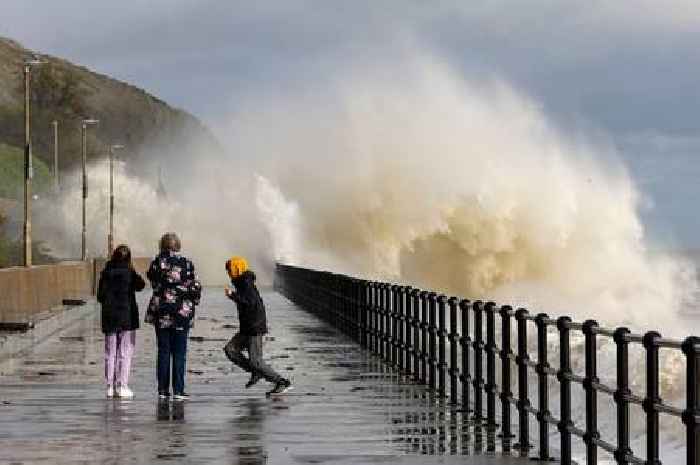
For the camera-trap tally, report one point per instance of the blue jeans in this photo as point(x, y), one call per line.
point(172, 343)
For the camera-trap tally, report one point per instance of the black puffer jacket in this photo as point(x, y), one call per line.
point(117, 294)
point(251, 309)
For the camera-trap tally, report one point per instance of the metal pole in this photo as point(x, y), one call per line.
point(564, 376)
point(542, 368)
point(523, 387)
point(691, 414)
point(83, 253)
point(55, 154)
point(589, 385)
point(506, 354)
point(490, 387)
point(442, 341)
point(465, 344)
point(478, 346)
point(653, 398)
point(622, 397)
point(28, 171)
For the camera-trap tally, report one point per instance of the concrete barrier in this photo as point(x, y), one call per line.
point(27, 292)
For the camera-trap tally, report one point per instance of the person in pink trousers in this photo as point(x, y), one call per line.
point(116, 292)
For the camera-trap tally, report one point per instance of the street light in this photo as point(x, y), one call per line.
point(85, 123)
point(54, 123)
point(110, 236)
point(28, 168)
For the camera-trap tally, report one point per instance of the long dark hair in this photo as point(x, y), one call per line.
point(122, 256)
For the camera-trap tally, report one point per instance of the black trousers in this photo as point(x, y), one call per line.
point(253, 363)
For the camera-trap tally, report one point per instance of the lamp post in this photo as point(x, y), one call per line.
point(85, 123)
point(28, 168)
point(110, 236)
point(54, 123)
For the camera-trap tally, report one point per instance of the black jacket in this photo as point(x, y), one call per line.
point(251, 309)
point(117, 294)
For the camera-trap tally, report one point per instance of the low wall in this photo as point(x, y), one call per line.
point(26, 292)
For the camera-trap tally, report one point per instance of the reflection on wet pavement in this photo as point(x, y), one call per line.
point(347, 407)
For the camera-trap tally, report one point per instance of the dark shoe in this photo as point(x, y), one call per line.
point(181, 396)
point(281, 387)
point(163, 395)
point(254, 378)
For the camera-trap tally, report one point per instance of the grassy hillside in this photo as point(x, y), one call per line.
point(12, 173)
point(67, 93)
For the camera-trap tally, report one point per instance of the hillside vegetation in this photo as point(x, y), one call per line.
point(12, 173)
point(67, 93)
point(152, 131)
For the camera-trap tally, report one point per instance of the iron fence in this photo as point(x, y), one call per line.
point(407, 327)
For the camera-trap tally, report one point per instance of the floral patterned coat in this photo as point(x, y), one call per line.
point(176, 291)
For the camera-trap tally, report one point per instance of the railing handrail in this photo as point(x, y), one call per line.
point(407, 327)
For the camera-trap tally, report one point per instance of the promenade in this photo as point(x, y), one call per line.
point(346, 408)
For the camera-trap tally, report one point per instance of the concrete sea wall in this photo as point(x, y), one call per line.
point(27, 292)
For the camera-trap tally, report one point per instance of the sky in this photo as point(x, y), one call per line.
point(627, 72)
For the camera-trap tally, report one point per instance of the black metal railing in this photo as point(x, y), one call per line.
point(408, 328)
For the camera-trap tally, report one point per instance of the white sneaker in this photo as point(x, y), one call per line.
point(110, 391)
point(124, 392)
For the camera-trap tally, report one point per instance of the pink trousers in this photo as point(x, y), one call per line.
point(119, 348)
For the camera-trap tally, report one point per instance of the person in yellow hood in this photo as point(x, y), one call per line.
point(253, 325)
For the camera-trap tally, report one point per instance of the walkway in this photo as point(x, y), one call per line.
point(346, 407)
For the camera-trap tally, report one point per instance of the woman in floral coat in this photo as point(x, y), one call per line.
point(176, 291)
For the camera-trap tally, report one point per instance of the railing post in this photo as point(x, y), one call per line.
point(393, 341)
point(401, 318)
point(388, 314)
point(442, 340)
point(370, 316)
point(382, 320)
point(491, 387)
point(432, 340)
point(590, 381)
point(543, 413)
point(361, 305)
point(691, 415)
point(363, 312)
point(408, 328)
point(621, 397)
point(652, 399)
point(377, 318)
point(564, 378)
point(478, 346)
point(417, 352)
point(453, 338)
point(465, 344)
point(506, 353)
point(424, 337)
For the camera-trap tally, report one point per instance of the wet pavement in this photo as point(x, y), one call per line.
point(346, 408)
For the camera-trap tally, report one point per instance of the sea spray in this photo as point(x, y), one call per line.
point(460, 186)
point(215, 217)
point(416, 175)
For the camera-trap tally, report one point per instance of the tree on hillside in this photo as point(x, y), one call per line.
point(57, 94)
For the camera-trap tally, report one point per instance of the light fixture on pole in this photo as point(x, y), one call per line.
point(28, 168)
point(85, 123)
point(110, 236)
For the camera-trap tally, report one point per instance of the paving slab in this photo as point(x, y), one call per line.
point(347, 407)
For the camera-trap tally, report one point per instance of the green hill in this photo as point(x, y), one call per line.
point(12, 173)
point(67, 93)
